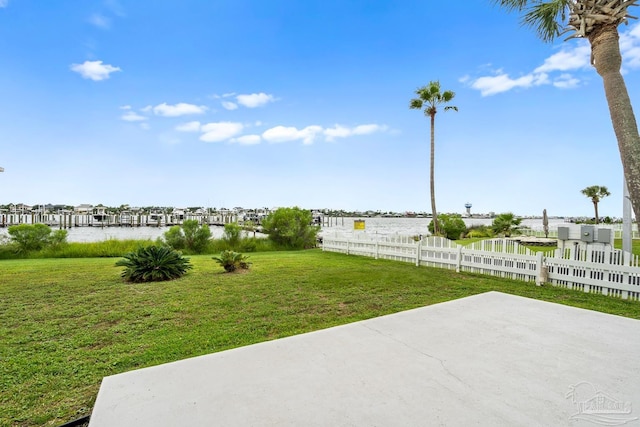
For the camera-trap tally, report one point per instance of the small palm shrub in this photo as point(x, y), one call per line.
point(231, 261)
point(480, 231)
point(153, 264)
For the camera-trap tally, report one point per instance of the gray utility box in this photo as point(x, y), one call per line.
point(563, 233)
point(586, 234)
point(605, 235)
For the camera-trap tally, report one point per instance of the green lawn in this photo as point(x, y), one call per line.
point(66, 323)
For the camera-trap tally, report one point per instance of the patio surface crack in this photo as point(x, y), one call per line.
point(431, 356)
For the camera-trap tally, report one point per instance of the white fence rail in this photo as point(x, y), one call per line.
point(607, 271)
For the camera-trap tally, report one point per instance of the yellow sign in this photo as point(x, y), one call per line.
point(358, 224)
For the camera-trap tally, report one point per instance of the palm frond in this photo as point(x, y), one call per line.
point(547, 18)
point(415, 104)
point(512, 5)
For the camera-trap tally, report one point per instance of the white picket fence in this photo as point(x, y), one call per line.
point(602, 270)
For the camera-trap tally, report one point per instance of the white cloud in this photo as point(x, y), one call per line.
point(284, 134)
point(575, 56)
point(94, 70)
point(224, 95)
point(220, 131)
point(100, 21)
point(4, 3)
point(491, 85)
point(339, 131)
point(132, 116)
point(566, 81)
point(630, 47)
point(180, 109)
point(254, 100)
point(367, 129)
point(147, 109)
point(229, 105)
point(189, 127)
point(145, 126)
point(572, 58)
point(247, 139)
point(125, 107)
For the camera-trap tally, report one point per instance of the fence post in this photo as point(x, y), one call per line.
point(542, 272)
point(377, 250)
point(418, 253)
point(459, 259)
point(347, 246)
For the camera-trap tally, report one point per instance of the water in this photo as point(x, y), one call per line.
point(376, 226)
point(97, 234)
point(418, 226)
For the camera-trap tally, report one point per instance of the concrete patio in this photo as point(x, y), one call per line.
point(491, 359)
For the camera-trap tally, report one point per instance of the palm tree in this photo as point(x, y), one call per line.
point(506, 223)
point(595, 193)
point(430, 97)
point(597, 21)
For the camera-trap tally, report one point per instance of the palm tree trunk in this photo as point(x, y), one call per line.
point(595, 207)
point(436, 228)
point(605, 49)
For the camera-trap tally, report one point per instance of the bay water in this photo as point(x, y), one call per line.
point(376, 226)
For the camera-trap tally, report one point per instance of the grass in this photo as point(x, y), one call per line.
point(117, 248)
point(67, 323)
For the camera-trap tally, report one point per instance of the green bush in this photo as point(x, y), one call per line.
point(232, 234)
point(153, 264)
point(191, 236)
point(249, 244)
point(506, 224)
point(231, 261)
point(479, 232)
point(451, 226)
point(291, 228)
point(175, 238)
point(34, 237)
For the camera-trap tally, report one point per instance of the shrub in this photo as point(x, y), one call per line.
point(34, 237)
point(197, 236)
point(231, 261)
point(191, 235)
point(175, 238)
point(505, 224)
point(479, 231)
point(153, 264)
point(451, 226)
point(249, 244)
point(231, 235)
point(291, 228)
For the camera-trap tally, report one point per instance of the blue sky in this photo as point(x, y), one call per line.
point(260, 103)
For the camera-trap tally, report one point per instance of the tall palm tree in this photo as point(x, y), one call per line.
point(595, 193)
point(597, 21)
point(430, 97)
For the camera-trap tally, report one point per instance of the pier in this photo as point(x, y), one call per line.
point(70, 220)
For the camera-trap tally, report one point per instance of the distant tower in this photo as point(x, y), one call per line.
point(468, 206)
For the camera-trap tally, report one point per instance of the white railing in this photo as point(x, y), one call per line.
point(607, 271)
point(553, 233)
